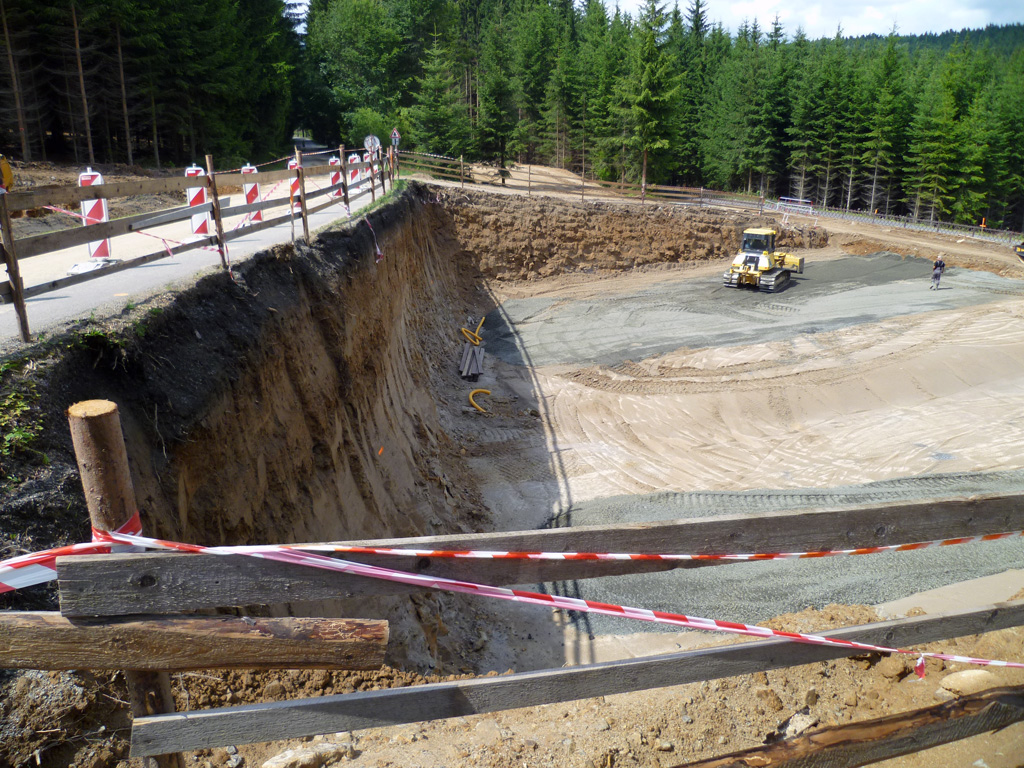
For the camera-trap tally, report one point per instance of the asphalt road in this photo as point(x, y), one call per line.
point(109, 294)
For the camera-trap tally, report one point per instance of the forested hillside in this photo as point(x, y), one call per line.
point(929, 126)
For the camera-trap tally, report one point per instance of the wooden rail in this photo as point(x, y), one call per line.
point(45, 640)
point(871, 741)
point(14, 251)
point(111, 585)
point(328, 714)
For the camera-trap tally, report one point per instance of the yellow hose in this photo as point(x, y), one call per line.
point(471, 337)
point(481, 325)
point(478, 392)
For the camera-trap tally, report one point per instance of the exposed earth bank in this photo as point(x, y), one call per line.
point(317, 399)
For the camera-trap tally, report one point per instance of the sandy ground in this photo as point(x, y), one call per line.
point(660, 381)
point(656, 389)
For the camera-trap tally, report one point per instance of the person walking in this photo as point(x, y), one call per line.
point(937, 269)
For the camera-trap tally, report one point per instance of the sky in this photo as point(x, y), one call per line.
point(819, 18)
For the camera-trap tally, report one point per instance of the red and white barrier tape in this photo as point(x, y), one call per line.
point(483, 554)
point(38, 568)
point(34, 569)
point(380, 253)
point(308, 559)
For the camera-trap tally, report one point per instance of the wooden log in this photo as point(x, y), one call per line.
point(46, 640)
point(103, 466)
point(437, 701)
point(218, 224)
point(69, 195)
point(871, 741)
point(344, 174)
point(13, 272)
point(302, 195)
point(109, 585)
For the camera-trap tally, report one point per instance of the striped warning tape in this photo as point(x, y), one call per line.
point(38, 568)
point(508, 555)
point(308, 559)
point(511, 555)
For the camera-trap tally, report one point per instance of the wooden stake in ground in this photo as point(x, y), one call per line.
point(217, 222)
point(13, 271)
point(106, 480)
point(302, 195)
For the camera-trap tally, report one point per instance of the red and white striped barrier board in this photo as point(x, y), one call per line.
point(354, 176)
point(27, 570)
point(251, 190)
point(368, 159)
point(94, 212)
point(197, 196)
point(308, 559)
point(336, 176)
point(293, 190)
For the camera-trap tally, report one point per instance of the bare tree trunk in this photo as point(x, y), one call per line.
point(156, 134)
point(81, 85)
point(26, 151)
point(124, 97)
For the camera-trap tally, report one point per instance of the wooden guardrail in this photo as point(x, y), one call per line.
point(542, 180)
point(124, 611)
point(379, 169)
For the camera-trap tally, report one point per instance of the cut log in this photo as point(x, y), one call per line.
point(871, 741)
point(46, 640)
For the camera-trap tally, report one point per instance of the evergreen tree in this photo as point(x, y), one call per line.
point(440, 123)
point(649, 91)
point(931, 152)
point(497, 103)
point(884, 143)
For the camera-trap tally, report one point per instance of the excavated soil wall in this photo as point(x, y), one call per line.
point(313, 397)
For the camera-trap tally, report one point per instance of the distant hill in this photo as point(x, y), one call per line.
point(1001, 39)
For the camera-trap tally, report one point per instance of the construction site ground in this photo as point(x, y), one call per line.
point(619, 395)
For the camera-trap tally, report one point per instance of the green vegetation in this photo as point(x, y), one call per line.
point(20, 424)
point(928, 126)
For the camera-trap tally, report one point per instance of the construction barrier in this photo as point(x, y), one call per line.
point(251, 190)
point(197, 196)
point(94, 212)
point(293, 190)
point(336, 176)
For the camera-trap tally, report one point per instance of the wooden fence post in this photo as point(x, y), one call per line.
point(373, 182)
point(462, 174)
point(302, 194)
point(13, 271)
point(107, 482)
point(529, 180)
point(217, 223)
point(344, 176)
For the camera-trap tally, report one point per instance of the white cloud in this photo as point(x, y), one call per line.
point(819, 18)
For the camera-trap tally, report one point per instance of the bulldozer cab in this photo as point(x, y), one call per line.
point(759, 240)
point(6, 176)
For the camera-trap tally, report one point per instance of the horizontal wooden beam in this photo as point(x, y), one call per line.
point(437, 701)
point(68, 195)
point(106, 585)
point(52, 285)
point(46, 640)
point(871, 741)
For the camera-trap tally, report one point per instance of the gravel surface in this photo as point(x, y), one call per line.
point(562, 331)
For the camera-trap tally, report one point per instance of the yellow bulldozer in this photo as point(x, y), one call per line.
point(759, 265)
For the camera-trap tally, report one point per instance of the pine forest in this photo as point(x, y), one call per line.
point(928, 126)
